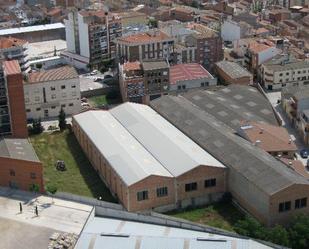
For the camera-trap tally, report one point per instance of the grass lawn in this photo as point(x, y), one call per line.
point(221, 215)
point(100, 100)
point(79, 178)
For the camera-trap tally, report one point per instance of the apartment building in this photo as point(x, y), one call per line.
point(295, 102)
point(141, 82)
point(284, 70)
point(92, 34)
point(15, 49)
point(153, 44)
point(12, 105)
point(46, 92)
point(20, 166)
point(147, 162)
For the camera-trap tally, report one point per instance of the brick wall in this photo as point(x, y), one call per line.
point(22, 169)
point(17, 105)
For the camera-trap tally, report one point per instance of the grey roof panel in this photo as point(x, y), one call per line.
point(19, 149)
point(260, 168)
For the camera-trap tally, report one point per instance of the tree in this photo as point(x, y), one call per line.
point(52, 189)
point(61, 119)
point(299, 232)
point(37, 127)
point(38, 65)
point(195, 4)
point(35, 188)
point(278, 235)
point(250, 227)
point(153, 23)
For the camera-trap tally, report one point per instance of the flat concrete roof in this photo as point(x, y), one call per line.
point(35, 28)
point(20, 149)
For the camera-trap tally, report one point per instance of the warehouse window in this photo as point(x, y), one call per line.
point(300, 203)
point(284, 206)
point(142, 195)
point(210, 183)
point(12, 172)
point(162, 192)
point(191, 186)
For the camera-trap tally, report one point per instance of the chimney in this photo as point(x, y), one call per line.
point(257, 142)
point(261, 130)
point(290, 141)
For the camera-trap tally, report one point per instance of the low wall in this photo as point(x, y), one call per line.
point(88, 201)
point(99, 91)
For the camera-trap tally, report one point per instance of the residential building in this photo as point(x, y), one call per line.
point(259, 52)
point(150, 45)
point(20, 166)
point(12, 104)
point(284, 70)
point(295, 102)
point(262, 185)
point(14, 49)
point(230, 72)
point(273, 139)
point(145, 161)
point(141, 82)
point(107, 227)
point(36, 33)
point(46, 92)
point(132, 18)
point(194, 43)
point(297, 166)
point(184, 77)
point(233, 30)
point(92, 34)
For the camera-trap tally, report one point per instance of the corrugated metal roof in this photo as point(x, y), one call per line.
point(110, 233)
point(172, 148)
point(45, 27)
point(126, 155)
point(258, 167)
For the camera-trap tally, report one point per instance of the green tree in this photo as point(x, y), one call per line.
point(299, 232)
point(61, 118)
point(153, 23)
point(38, 65)
point(195, 4)
point(278, 235)
point(37, 127)
point(52, 189)
point(34, 188)
point(250, 227)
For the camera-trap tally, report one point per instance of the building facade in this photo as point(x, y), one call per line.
point(15, 49)
point(12, 104)
point(149, 45)
point(144, 174)
point(20, 166)
point(48, 91)
point(92, 34)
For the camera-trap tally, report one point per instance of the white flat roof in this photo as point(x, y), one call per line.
point(172, 148)
point(34, 28)
point(110, 233)
point(125, 154)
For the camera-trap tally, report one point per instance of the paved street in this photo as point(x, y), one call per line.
point(61, 215)
point(273, 98)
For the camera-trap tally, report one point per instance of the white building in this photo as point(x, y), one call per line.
point(15, 49)
point(232, 31)
point(47, 91)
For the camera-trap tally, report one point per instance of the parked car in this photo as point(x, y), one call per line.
point(107, 76)
point(304, 153)
point(94, 72)
point(83, 99)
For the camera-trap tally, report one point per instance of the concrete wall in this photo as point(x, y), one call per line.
point(69, 32)
point(23, 169)
point(230, 31)
point(83, 37)
point(192, 84)
point(54, 99)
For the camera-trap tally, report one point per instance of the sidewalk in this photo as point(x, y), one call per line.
point(57, 214)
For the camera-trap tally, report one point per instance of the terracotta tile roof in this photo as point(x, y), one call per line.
point(189, 71)
point(61, 73)
point(297, 165)
point(130, 66)
point(8, 42)
point(11, 67)
point(151, 36)
point(257, 47)
point(271, 138)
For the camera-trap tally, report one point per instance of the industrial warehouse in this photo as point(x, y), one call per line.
point(260, 183)
point(147, 162)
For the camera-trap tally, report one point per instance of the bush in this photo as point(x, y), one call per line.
point(113, 95)
point(62, 121)
point(36, 127)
